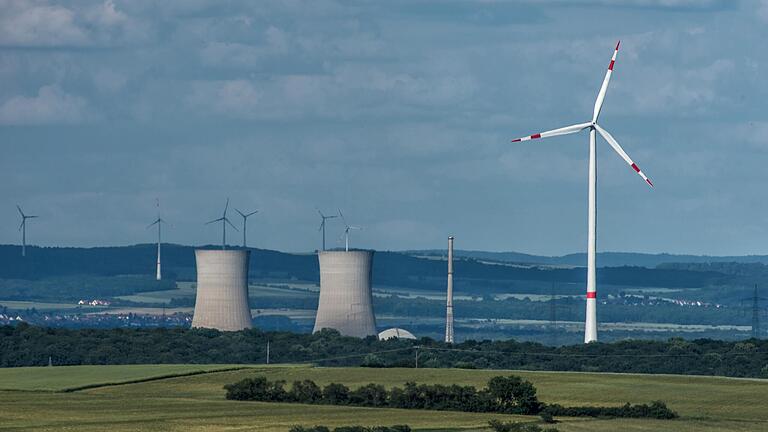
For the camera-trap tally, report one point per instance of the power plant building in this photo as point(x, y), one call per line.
point(222, 290)
point(345, 293)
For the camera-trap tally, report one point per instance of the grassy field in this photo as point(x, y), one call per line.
point(62, 378)
point(196, 402)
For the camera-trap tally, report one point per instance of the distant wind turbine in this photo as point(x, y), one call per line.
point(322, 224)
point(245, 221)
point(23, 229)
point(159, 221)
point(590, 330)
point(224, 221)
point(347, 228)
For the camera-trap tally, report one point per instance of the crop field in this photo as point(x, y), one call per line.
point(33, 399)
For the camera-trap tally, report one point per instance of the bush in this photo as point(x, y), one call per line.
point(514, 395)
point(657, 410)
point(371, 395)
point(305, 392)
point(336, 394)
point(310, 429)
point(258, 389)
point(547, 417)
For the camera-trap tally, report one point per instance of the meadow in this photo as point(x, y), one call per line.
point(38, 399)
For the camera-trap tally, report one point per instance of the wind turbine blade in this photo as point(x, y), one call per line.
point(331, 217)
point(615, 144)
point(555, 132)
point(321, 225)
point(604, 87)
point(252, 213)
point(241, 213)
point(215, 220)
point(320, 213)
point(153, 224)
point(231, 224)
point(20, 212)
point(23, 221)
point(31, 217)
point(341, 215)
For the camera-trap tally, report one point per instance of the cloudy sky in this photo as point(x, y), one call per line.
point(399, 112)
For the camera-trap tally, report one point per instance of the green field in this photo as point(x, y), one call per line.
point(196, 402)
point(63, 378)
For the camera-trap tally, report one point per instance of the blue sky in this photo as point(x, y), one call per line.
point(398, 112)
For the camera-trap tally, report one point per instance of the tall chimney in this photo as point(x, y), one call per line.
point(449, 301)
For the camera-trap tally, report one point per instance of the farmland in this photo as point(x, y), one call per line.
point(36, 399)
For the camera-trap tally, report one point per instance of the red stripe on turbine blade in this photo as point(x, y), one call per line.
point(517, 140)
point(534, 136)
point(610, 66)
point(649, 182)
point(617, 45)
point(634, 167)
point(592, 294)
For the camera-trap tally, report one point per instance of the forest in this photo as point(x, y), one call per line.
point(25, 345)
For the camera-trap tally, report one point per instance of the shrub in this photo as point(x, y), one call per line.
point(336, 394)
point(372, 395)
point(514, 395)
point(305, 392)
point(310, 429)
point(657, 410)
point(258, 389)
point(547, 417)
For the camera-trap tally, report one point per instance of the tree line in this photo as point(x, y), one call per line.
point(502, 395)
point(25, 345)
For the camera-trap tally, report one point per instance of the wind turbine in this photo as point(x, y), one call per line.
point(23, 229)
point(245, 221)
point(590, 331)
point(347, 228)
point(224, 221)
point(159, 221)
point(322, 224)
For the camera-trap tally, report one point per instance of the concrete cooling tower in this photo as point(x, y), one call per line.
point(345, 293)
point(222, 290)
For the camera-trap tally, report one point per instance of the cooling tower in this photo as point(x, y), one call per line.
point(345, 293)
point(222, 290)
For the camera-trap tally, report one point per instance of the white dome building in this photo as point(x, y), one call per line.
point(396, 333)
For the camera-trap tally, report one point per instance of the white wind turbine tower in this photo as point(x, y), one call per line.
point(590, 331)
point(23, 229)
point(159, 221)
point(224, 221)
point(245, 222)
point(322, 224)
point(347, 228)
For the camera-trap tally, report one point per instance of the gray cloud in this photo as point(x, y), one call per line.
point(50, 105)
point(401, 114)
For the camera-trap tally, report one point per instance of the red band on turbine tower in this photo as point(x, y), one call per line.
point(592, 294)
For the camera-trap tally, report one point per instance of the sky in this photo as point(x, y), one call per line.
point(400, 113)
